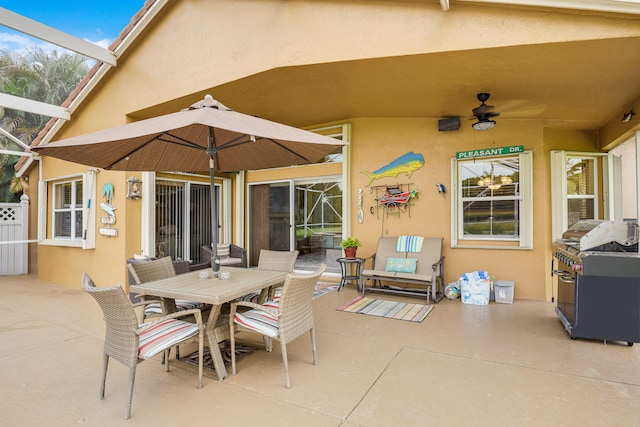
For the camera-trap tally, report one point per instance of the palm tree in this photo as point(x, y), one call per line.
point(41, 76)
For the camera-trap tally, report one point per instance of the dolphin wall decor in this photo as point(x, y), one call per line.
point(407, 163)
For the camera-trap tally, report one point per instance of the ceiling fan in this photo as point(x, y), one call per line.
point(484, 113)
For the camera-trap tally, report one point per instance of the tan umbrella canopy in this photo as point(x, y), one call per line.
point(206, 136)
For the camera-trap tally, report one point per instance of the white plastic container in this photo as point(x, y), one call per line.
point(504, 291)
point(475, 292)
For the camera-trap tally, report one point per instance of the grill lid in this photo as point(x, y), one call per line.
point(592, 233)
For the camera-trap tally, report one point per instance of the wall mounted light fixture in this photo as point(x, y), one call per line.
point(133, 188)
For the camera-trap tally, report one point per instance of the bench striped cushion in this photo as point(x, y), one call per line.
point(164, 335)
point(259, 321)
point(409, 244)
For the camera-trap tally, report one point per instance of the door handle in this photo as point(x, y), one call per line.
point(567, 278)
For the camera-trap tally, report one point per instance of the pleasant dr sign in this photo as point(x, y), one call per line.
point(487, 152)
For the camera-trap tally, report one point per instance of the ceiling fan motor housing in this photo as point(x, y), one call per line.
point(483, 97)
point(484, 113)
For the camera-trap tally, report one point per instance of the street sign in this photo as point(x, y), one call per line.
point(488, 152)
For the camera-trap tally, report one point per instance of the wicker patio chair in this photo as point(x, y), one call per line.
point(157, 269)
point(273, 261)
point(130, 343)
point(277, 261)
point(284, 320)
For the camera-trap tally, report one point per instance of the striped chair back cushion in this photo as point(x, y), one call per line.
point(223, 251)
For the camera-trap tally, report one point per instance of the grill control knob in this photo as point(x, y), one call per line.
point(576, 266)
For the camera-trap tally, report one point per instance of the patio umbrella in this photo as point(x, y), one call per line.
point(205, 136)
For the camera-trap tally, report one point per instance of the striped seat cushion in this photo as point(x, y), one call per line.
point(152, 309)
point(164, 335)
point(253, 296)
point(272, 304)
point(259, 321)
point(188, 305)
point(155, 308)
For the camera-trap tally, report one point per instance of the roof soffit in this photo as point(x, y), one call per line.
point(486, 62)
point(591, 72)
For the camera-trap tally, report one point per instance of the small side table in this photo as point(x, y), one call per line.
point(347, 267)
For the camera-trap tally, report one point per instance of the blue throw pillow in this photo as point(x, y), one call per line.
point(401, 265)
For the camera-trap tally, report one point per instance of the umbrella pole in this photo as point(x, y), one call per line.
point(215, 261)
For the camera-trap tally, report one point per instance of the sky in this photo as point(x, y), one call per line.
point(97, 21)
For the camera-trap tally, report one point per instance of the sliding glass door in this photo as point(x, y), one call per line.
point(304, 214)
point(269, 218)
point(183, 219)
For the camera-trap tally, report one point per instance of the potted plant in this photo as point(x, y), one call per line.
point(350, 245)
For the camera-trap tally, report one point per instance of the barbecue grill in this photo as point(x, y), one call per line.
point(598, 271)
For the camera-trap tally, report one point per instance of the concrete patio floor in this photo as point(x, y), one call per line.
point(496, 365)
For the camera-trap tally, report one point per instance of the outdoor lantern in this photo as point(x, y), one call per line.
point(133, 188)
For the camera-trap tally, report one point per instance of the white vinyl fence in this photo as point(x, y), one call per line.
point(14, 235)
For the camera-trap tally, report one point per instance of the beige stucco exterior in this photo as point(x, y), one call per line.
point(368, 64)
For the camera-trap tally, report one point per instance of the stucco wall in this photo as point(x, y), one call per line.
point(196, 46)
point(379, 141)
point(64, 265)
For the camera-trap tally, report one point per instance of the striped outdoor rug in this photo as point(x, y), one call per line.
point(389, 309)
point(207, 362)
point(324, 288)
point(320, 289)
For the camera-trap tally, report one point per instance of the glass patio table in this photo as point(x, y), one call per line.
point(215, 291)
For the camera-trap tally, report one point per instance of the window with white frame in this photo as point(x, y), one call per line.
point(581, 189)
point(69, 217)
point(574, 188)
point(340, 132)
point(493, 200)
point(67, 210)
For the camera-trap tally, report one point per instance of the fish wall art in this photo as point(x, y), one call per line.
point(407, 163)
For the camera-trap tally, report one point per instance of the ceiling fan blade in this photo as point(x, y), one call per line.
point(482, 109)
point(531, 111)
point(483, 116)
point(521, 108)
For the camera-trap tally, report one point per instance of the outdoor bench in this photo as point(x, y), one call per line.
point(406, 265)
